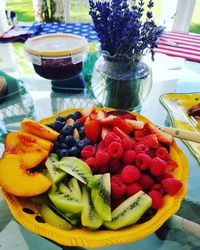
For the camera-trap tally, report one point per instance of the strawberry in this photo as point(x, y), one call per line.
point(123, 125)
point(135, 124)
point(105, 131)
point(101, 114)
point(93, 130)
point(82, 119)
point(108, 121)
point(141, 133)
point(162, 136)
point(171, 185)
point(70, 121)
point(150, 140)
point(121, 134)
point(171, 165)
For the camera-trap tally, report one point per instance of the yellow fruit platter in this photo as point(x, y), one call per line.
point(21, 183)
point(178, 106)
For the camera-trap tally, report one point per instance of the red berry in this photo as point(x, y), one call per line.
point(116, 178)
point(141, 148)
point(158, 187)
point(143, 161)
point(114, 166)
point(150, 140)
point(101, 145)
point(102, 157)
point(127, 143)
point(110, 137)
point(157, 166)
point(141, 133)
point(123, 125)
point(130, 174)
point(146, 182)
point(171, 165)
point(133, 189)
point(162, 153)
point(129, 156)
point(91, 161)
point(93, 130)
point(171, 185)
point(115, 150)
point(118, 190)
point(88, 151)
point(157, 199)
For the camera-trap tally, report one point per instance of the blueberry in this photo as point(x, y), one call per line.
point(77, 114)
point(60, 118)
point(56, 125)
point(61, 138)
point(70, 116)
point(77, 125)
point(67, 130)
point(63, 145)
point(70, 141)
point(56, 146)
point(83, 143)
point(81, 131)
point(63, 153)
point(74, 151)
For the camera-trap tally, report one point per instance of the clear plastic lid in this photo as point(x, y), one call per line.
point(58, 44)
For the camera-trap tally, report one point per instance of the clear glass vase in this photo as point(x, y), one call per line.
point(121, 82)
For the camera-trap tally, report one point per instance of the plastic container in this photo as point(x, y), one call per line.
point(57, 56)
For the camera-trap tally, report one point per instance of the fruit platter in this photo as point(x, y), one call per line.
point(92, 177)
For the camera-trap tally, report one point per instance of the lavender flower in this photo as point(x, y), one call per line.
point(121, 29)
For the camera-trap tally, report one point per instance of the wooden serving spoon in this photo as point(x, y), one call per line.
point(175, 132)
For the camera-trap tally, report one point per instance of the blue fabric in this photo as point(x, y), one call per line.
point(83, 29)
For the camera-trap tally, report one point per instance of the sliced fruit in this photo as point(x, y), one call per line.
point(52, 218)
point(104, 131)
point(121, 134)
point(76, 168)
point(101, 192)
point(75, 188)
point(38, 129)
point(65, 202)
point(162, 136)
point(150, 140)
point(56, 174)
point(93, 130)
point(108, 121)
point(122, 114)
point(129, 211)
point(16, 180)
point(17, 137)
point(123, 125)
point(89, 216)
point(135, 124)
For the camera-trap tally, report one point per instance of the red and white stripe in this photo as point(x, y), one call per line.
point(180, 45)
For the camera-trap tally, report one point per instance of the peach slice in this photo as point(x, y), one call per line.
point(16, 137)
point(38, 129)
point(26, 147)
point(16, 180)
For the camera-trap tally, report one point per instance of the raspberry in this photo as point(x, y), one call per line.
point(141, 148)
point(102, 157)
point(158, 187)
point(129, 156)
point(115, 150)
point(116, 178)
point(114, 166)
point(103, 169)
point(143, 161)
point(157, 199)
point(162, 153)
point(91, 161)
point(171, 185)
point(171, 165)
point(150, 140)
point(164, 175)
point(127, 143)
point(133, 189)
point(130, 174)
point(88, 151)
point(101, 145)
point(118, 189)
point(111, 137)
point(146, 182)
point(157, 166)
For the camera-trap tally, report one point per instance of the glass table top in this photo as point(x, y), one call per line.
point(33, 97)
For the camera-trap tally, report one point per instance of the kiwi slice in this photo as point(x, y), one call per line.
point(129, 211)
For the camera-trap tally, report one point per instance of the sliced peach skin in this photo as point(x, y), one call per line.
point(38, 129)
point(16, 180)
point(16, 137)
point(26, 147)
